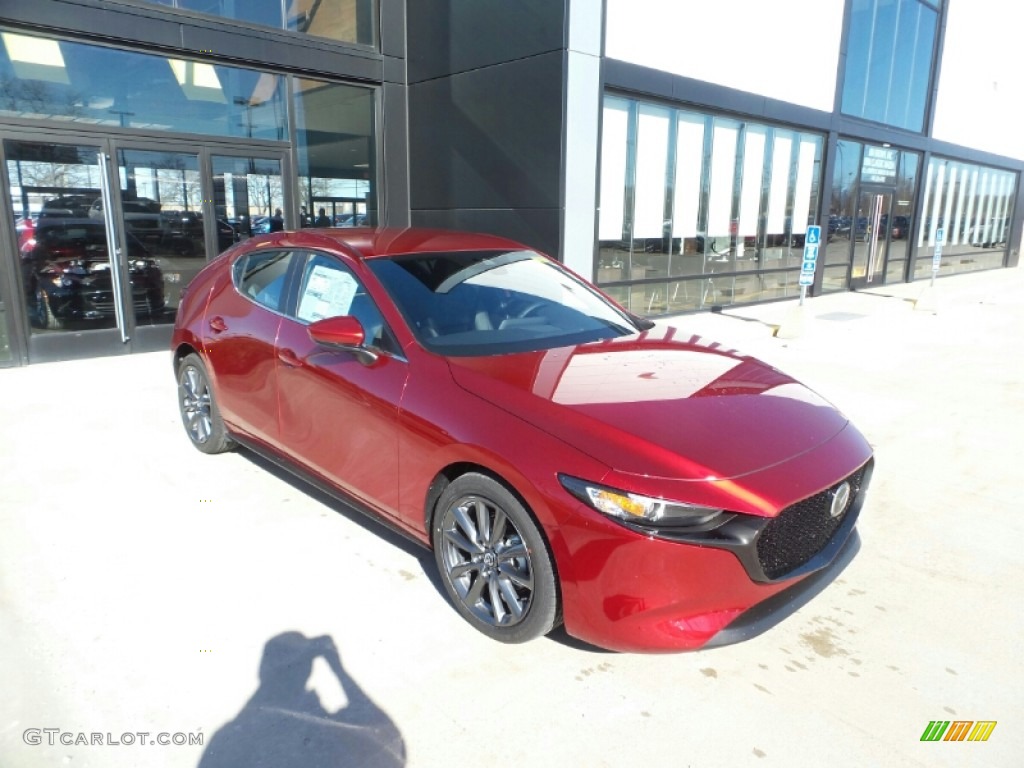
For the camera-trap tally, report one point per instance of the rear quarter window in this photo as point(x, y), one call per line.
point(261, 276)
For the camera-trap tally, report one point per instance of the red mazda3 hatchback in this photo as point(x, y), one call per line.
point(565, 460)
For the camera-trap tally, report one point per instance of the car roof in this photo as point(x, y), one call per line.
point(368, 243)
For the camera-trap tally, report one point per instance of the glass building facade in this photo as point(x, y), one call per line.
point(702, 203)
point(349, 21)
point(888, 71)
point(699, 210)
point(167, 159)
point(679, 179)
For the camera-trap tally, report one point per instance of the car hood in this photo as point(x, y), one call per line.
point(685, 410)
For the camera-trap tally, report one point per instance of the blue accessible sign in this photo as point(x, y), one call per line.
point(811, 244)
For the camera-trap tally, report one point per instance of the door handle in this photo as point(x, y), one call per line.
point(289, 358)
point(217, 324)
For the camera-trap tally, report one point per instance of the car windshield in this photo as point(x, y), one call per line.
point(495, 302)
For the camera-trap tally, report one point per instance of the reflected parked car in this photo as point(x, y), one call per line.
point(183, 232)
point(350, 220)
point(988, 235)
point(899, 229)
point(260, 225)
point(66, 274)
point(141, 215)
point(73, 206)
point(564, 459)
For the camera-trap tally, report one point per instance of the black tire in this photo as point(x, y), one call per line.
point(494, 562)
point(199, 413)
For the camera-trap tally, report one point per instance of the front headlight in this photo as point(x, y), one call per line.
point(644, 510)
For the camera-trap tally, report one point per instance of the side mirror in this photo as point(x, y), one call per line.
point(343, 332)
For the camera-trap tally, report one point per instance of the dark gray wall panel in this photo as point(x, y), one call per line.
point(536, 228)
point(392, 28)
point(395, 175)
point(490, 138)
point(448, 36)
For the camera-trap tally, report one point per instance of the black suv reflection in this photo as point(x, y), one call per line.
point(183, 233)
point(66, 274)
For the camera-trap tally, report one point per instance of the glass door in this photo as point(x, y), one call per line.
point(165, 244)
point(107, 239)
point(110, 234)
point(870, 235)
point(69, 295)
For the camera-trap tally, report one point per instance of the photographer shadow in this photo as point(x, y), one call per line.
point(286, 724)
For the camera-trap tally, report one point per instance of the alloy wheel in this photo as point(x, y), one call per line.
point(196, 404)
point(486, 561)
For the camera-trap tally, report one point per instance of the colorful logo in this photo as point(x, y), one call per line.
point(958, 730)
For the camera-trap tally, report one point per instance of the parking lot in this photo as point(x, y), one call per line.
point(148, 589)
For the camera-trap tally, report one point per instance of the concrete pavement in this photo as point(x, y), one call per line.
point(143, 585)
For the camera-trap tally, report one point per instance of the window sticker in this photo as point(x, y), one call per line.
point(328, 293)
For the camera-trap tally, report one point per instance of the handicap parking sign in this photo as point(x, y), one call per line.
point(811, 243)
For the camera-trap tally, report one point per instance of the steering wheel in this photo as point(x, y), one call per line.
point(530, 307)
point(427, 328)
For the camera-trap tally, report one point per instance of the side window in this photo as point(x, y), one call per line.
point(329, 289)
point(261, 276)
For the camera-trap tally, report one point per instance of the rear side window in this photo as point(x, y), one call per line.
point(262, 276)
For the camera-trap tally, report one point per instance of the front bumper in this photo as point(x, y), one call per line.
point(627, 591)
point(93, 303)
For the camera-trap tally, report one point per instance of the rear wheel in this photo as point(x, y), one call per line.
point(199, 412)
point(494, 562)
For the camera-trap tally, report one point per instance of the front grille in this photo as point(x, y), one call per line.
point(802, 530)
point(140, 304)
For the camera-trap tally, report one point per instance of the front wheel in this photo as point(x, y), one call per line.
point(494, 562)
point(199, 412)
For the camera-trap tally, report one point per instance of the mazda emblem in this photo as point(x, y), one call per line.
point(840, 499)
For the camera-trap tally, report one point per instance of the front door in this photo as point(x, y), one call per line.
point(338, 413)
point(870, 234)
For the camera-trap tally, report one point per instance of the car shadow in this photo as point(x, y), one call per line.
point(560, 636)
point(348, 509)
point(367, 521)
point(286, 723)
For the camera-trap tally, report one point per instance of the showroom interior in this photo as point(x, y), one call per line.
point(676, 169)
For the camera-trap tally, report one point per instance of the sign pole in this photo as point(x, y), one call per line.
point(793, 326)
point(926, 301)
point(940, 238)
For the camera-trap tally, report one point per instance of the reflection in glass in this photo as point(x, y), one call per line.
point(248, 194)
point(5, 342)
point(888, 67)
point(74, 82)
point(162, 207)
point(349, 21)
point(870, 241)
point(716, 208)
point(852, 231)
point(62, 250)
point(972, 206)
point(334, 140)
point(843, 205)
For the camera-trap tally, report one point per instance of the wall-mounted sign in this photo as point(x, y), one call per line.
point(879, 166)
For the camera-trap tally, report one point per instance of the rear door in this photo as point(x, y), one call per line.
point(245, 313)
